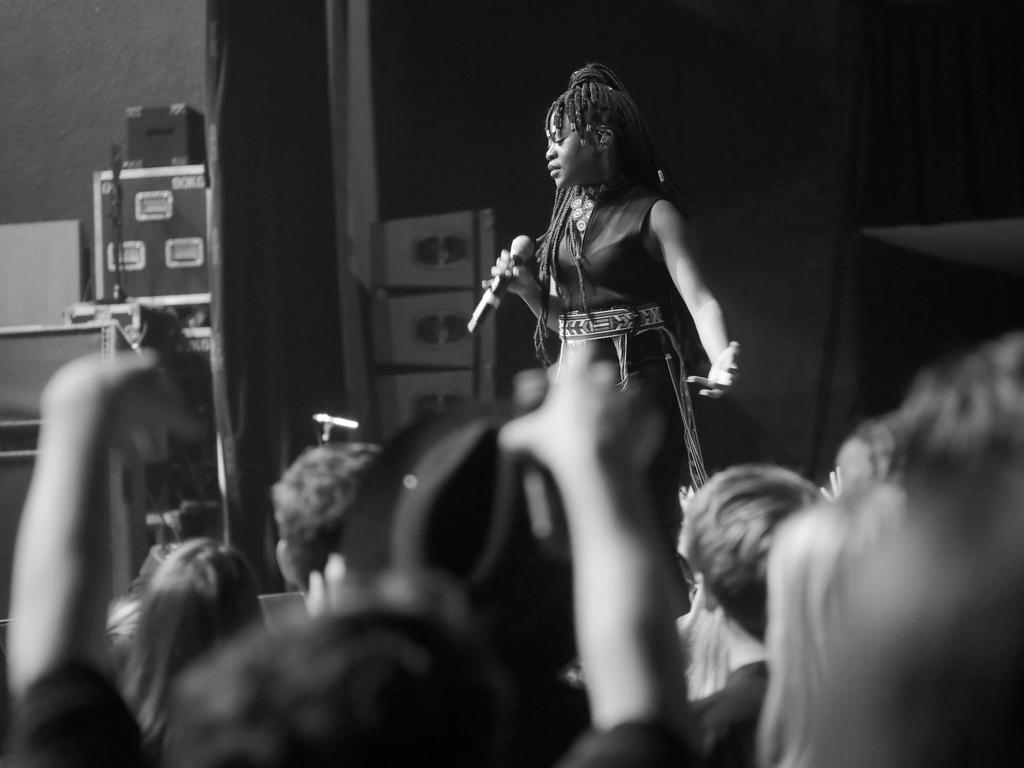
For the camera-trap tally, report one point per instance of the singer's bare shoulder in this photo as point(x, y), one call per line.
point(667, 222)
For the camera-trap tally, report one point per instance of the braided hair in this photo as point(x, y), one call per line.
point(595, 98)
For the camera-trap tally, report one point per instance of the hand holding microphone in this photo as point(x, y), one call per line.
point(507, 272)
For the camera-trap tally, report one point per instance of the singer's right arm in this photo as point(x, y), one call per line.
point(526, 287)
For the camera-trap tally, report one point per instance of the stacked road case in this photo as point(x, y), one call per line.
point(163, 237)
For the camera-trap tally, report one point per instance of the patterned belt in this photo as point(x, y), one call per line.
point(608, 323)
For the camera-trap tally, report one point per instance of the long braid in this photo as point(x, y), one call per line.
point(548, 270)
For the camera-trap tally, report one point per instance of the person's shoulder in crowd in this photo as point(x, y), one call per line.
point(728, 718)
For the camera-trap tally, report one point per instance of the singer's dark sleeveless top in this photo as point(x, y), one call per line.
point(622, 265)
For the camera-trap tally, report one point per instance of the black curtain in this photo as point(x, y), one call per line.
point(277, 342)
point(940, 111)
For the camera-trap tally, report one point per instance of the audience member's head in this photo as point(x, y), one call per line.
point(931, 669)
point(811, 560)
point(964, 419)
point(871, 454)
point(729, 527)
point(201, 594)
point(124, 610)
point(311, 501)
point(397, 677)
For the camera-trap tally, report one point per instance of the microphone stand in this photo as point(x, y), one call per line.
point(116, 232)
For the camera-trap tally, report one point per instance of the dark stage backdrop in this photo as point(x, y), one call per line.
point(939, 90)
point(937, 95)
point(278, 351)
point(745, 110)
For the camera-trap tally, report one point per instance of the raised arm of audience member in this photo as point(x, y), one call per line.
point(596, 442)
point(68, 713)
point(61, 582)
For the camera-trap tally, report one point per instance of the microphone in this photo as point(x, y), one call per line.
point(335, 421)
point(328, 422)
point(521, 248)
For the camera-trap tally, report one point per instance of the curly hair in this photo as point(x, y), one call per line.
point(312, 497)
point(966, 412)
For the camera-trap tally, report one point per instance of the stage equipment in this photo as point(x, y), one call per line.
point(427, 330)
point(329, 422)
point(150, 322)
point(40, 271)
point(408, 397)
point(449, 250)
point(164, 135)
point(164, 232)
point(425, 275)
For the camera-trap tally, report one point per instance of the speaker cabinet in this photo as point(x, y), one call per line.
point(406, 397)
point(448, 250)
point(30, 356)
point(426, 280)
point(424, 329)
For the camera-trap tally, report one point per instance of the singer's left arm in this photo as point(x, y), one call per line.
point(668, 228)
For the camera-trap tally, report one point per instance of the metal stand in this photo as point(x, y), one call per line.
point(117, 237)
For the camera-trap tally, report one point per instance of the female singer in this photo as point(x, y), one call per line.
point(613, 269)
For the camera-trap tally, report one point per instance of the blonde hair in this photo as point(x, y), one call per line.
point(808, 565)
point(702, 633)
